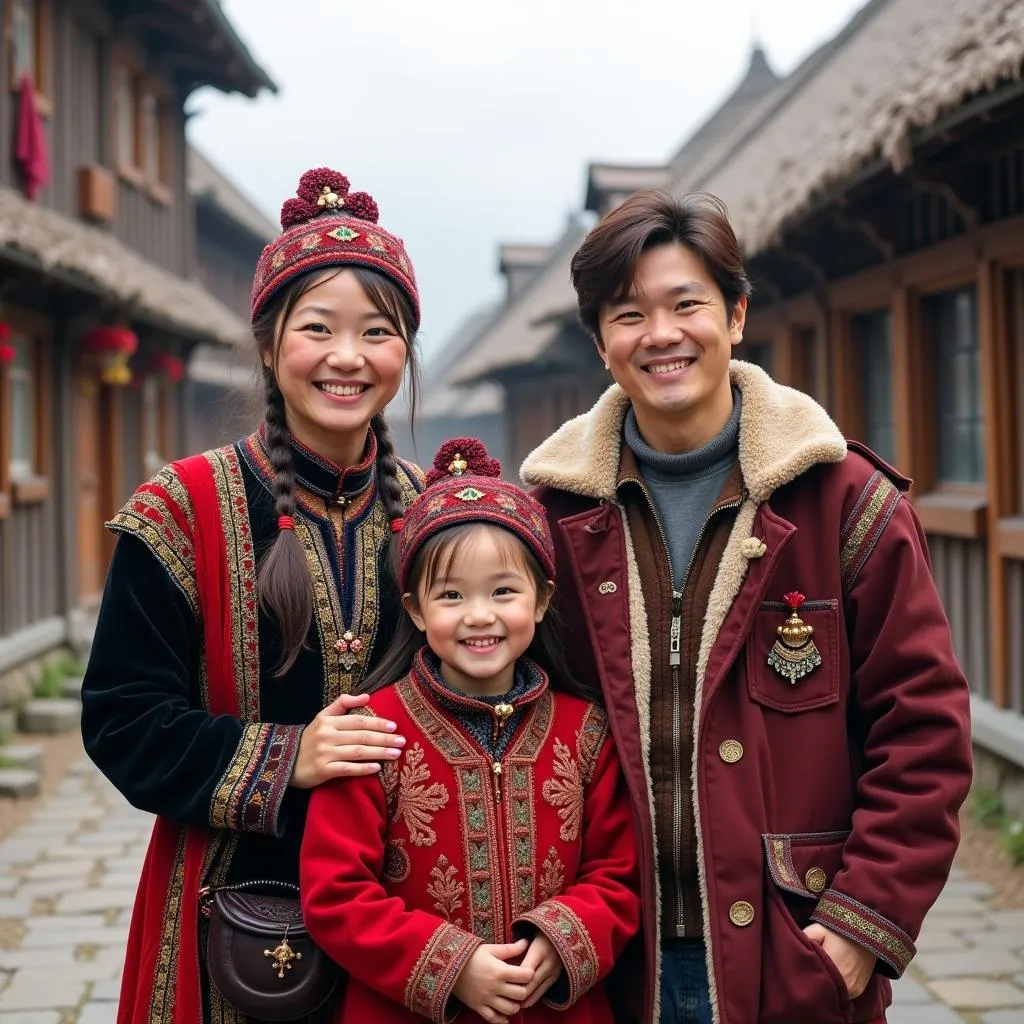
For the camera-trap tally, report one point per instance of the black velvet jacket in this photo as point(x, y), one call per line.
point(145, 718)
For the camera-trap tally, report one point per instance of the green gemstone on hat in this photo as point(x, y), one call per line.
point(343, 234)
point(470, 494)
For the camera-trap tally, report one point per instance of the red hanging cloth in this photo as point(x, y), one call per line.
point(31, 151)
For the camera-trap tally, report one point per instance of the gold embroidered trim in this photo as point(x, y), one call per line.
point(864, 526)
point(149, 515)
point(436, 971)
point(569, 935)
point(565, 792)
point(417, 801)
point(222, 807)
point(589, 741)
point(863, 925)
point(480, 838)
point(161, 1003)
point(522, 835)
point(241, 577)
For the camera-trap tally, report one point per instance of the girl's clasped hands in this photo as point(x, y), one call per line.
point(496, 989)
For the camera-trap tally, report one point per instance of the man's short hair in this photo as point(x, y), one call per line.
point(604, 266)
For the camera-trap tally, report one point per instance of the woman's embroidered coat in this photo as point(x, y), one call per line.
point(405, 874)
point(181, 706)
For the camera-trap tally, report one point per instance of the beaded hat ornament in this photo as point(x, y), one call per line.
point(326, 225)
point(465, 486)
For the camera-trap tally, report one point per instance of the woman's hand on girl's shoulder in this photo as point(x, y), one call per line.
point(336, 745)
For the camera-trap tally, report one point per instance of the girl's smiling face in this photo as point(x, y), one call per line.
point(479, 607)
point(339, 362)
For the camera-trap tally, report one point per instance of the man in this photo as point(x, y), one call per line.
point(754, 595)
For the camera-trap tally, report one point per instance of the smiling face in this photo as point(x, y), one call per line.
point(339, 361)
point(479, 604)
point(667, 343)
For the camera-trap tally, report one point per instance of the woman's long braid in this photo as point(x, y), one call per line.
point(387, 472)
point(284, 587)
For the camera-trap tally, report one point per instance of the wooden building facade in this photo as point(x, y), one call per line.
point(100, 308)
point(878, 192)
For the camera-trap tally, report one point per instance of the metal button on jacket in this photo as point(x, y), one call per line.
point(816, 880)
point(741, 913)
point(730, 751)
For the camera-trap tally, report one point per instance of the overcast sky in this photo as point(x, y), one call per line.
point(472, 121)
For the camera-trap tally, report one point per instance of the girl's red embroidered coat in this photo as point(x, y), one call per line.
point(406, 873)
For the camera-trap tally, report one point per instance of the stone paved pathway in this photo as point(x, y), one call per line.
point(67, 880)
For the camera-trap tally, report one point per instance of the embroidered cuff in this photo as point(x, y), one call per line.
point(249, 795)
point(429, 990)
point(893, 946)
point(569, 935)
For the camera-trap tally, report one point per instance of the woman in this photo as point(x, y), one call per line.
point(248, 594)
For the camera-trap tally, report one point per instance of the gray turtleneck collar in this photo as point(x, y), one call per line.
point(684, 488)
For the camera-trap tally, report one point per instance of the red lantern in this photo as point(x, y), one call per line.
point(109, 338)
point(172, 368)
point(111, 345)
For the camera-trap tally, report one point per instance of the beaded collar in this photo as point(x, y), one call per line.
point(491, 720)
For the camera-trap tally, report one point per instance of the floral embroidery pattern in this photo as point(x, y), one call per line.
point(418, 802)
point(397, 865)
point(565, 792)
point(446, 889)
point(552, 878)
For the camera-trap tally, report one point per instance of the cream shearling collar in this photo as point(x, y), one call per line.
point(783, 433)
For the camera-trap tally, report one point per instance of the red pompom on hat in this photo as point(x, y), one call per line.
point(465, 486)
point(326, 225)
point(462, 456)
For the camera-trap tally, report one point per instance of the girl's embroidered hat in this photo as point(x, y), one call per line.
point(326, 225)
point(464, 487)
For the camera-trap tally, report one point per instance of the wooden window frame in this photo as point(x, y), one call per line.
point(128, 60)
point(160, 187)
point(43, 60)
point(34, 488)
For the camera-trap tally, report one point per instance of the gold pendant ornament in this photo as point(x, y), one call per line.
point(794, 655)
point(281, 956)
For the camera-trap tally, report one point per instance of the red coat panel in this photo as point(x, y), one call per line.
point(405, 873)
point(833, 797)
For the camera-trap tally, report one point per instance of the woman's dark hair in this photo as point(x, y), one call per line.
point(604, 266)
point(433, 562)
point(284, 586)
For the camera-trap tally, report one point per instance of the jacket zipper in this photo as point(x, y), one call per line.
point(674, 658)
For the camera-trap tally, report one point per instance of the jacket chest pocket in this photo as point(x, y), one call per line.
point(788, 675)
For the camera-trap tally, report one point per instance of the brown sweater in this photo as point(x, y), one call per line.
point(673, 686)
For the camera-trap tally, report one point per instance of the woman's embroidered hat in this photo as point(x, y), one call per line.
point(465, 487)
point(326, 225)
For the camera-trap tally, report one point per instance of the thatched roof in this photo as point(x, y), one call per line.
point(524, 328)
point(905, 65)
point(210, 185)
point(93, 260)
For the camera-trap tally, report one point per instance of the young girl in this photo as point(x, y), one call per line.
point(248, 594)
point(492, 866)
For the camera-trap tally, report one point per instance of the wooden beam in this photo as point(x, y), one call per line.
point(961, 206)
point(912, 381)
point(1000, 471)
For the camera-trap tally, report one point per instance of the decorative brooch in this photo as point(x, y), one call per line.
point(329, 199)
point(794, 655)
point(458, 465)
point(348, 648)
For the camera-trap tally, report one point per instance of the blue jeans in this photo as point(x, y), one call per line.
point(684, 982)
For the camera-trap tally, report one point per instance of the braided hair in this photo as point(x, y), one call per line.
point(284, 587)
